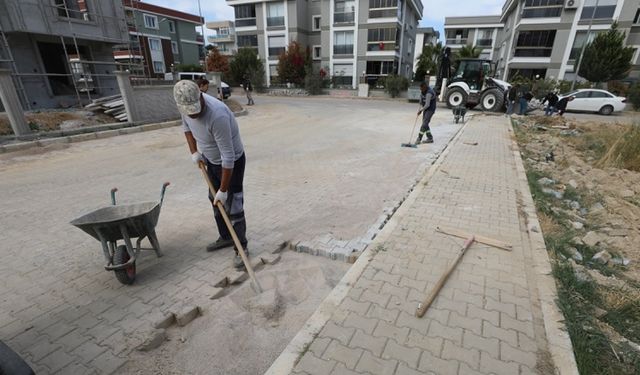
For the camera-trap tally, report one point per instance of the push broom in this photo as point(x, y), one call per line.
point(409, 144)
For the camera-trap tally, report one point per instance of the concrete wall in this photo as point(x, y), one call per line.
point(155, 103)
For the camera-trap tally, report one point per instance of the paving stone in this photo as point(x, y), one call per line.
point(377, 298)
point(382, 313)
point(489, 345)
point(313, 365)
point(405, 370)
point(452, 351)
point(340, 353)
point(88, 351)
point(405, 354)
point(365, 341)
point(508, 322)
point(107, 362)
point(411, 321)
point(340, 369)
point(509, 353)
point(450, 333)
point(374, 365)
point(41, 349)
point(471, 324)
point(186, 315)
point(356, 321)
point(333, 331)
point(57, 360)
point(431, 344)
point(359, 308)
point(432, 364)
point(319, 345)
point(387, 330)
point(73, 339)
point(492, 317)
point(494, 366)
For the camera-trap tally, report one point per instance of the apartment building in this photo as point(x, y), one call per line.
point(479, 31)
point(424, 36)
point(348, 38)
point(224, 38)
point(60, 51)
point(160, 38)
point(544, 37)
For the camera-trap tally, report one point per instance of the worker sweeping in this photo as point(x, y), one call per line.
point(214, 139)
point(427, 108)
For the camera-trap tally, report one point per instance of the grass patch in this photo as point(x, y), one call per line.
point(624, 152)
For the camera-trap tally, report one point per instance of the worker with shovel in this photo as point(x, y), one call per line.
point(427, 108)
point(214, 140)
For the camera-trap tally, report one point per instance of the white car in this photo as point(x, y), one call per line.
point(594, 100)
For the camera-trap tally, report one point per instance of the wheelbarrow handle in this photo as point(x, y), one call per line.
point(113, 195)
point(164, 188)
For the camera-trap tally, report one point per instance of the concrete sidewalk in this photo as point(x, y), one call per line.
point(495, 315)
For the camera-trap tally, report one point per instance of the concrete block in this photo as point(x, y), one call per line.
point(107, 133)
point(270, 258)
point(82, 137)
point(164, 321)
point(187, 314)
point(217, 293)
point(131, 130)
point(52, 141)
point(237, 277)
point(19, 146)
point(153, 339)
point(149, 127)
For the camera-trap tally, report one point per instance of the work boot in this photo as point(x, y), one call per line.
point(220, 243)
point(418, 141)
point(428, 140)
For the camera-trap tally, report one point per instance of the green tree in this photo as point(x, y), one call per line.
point(606, 58)
point(216, 62)
point(291, 64)
point(634, 96)
point(469, 51)
point(247, 63)
point(428, 61)
point(395, 84)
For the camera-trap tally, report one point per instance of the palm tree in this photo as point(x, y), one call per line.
point(428, 61)
point(469, 51)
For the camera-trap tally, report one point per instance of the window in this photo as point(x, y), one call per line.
point(382, 39)
point(73, 9)
point(155, 45)
point(542, 8)
point(636, 19)
point(276, 45)
point(535, 43)
point(223, 31)
point(158, 66)
point(273, 73)
point(579, 41)
point(315, 24)
point(581, 94)
point(457, 36)
point(485, 38)
point(150, 22)
point(275, 14)
point(345, 11)
point(317, 52)
point(383, 8)
point(343, 74)
point(249, 41)
point(245, 15)
point(379, 68)
point(599, 94)
point(343, 43)
point(174, 47)
point(605, 9)
point(172, 26)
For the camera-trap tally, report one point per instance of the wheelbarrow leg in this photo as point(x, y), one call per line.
point(105, 247)
point(127, 241)
point(154, 242)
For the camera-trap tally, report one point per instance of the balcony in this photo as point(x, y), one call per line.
point(275, 21)
point(484, 42)
point(456, 41)
point(344, 49)
point(382, 46)
point(242, 22)
point(347, 17)
point(383, 13)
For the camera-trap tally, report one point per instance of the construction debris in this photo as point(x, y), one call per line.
point(110, 105)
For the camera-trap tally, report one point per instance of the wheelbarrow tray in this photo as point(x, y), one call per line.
point(139, 219)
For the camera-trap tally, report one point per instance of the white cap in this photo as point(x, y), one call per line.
point(187, 96)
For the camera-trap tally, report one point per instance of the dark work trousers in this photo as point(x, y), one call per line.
point(424, 129)
point(235, 200)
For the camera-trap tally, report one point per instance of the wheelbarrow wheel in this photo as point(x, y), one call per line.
point(126, 275)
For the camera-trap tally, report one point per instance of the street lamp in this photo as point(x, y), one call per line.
point(584, 44)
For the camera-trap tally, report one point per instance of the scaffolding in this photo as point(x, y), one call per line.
point(82, 71)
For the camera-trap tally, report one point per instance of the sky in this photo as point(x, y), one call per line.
point(434, 10)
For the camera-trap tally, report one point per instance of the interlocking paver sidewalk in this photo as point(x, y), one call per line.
point(487, 318)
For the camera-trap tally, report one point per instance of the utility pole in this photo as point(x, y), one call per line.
point(204, 40)
point(584, 45)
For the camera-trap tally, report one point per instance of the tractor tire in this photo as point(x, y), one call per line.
point(492, 100)
point(456, 97)
point(127, 275)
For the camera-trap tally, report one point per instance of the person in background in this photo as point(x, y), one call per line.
point(248, 88)
point(552, 100)
point(428, 103)
point(203, 85)
point(512, 95)
point(525, 96)
point(561, 106)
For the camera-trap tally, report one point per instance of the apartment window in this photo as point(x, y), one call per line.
point(150, 21)
point(485, 38)
point(342, 74)
point(605, 9)
point(317, 52)
point(343, 43)
point(73, 9)
point(172, 26)
point(174, 47)
point(636, 19)
point(247, 41)
point(276, 45)
point(542, 8)
point(457, 36)
point(315, 24)
point(344, 11)
point(155, 45)
point(273, 73)
point(383, 8)
point(245, 15)
point(379, 68)
point(275, 14)
point(579, 41)
point(223, 31)
point(383, 39)
point(535, 43)
point(158, 66)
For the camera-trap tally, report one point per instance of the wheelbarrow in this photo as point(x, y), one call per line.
point(115, 223)
point(458, 113)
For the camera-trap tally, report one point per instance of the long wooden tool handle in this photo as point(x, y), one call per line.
point(422, 308)
point(236, 241)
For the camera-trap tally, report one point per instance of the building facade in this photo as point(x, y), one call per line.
point(61, 51)
point(160, 39)
point(350, 39)
point(224, 38)
point(424, 36)
point(481, 32)
point(545, 37)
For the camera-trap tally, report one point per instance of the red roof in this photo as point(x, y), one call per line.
point(164, 11)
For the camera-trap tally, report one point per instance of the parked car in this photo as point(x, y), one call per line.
point(226, 90)
point(594, 100)
point(194, 76)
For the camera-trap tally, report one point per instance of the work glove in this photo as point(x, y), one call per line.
point(419, 111)
point(197, 157)
point(221, 196)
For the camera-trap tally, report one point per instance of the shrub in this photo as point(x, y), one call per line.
point(188, 68)
point(633, 95)
point(313, 81)
point(395, 84)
